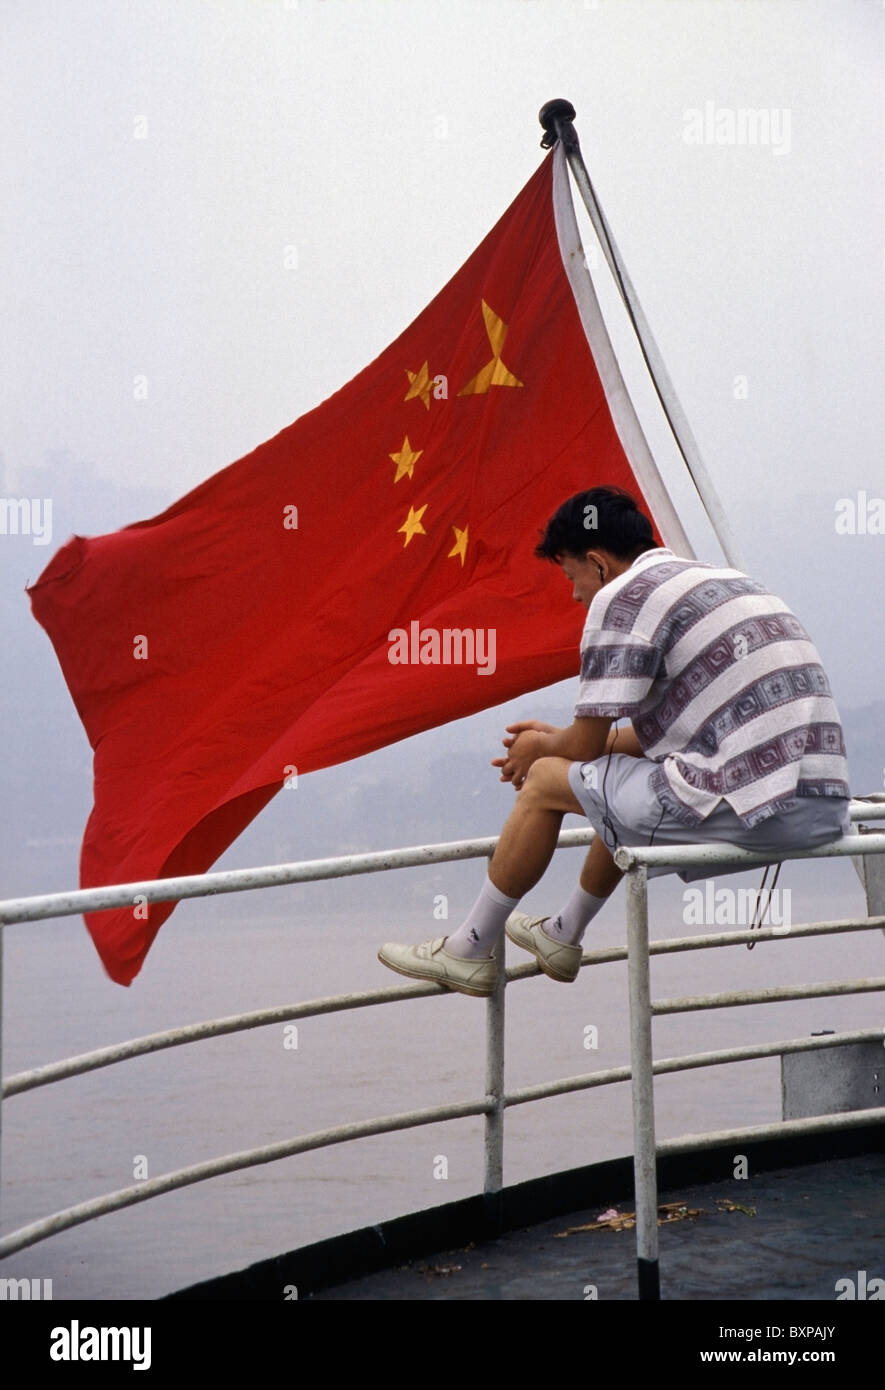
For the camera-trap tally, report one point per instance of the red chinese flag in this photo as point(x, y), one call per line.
point(249, 630)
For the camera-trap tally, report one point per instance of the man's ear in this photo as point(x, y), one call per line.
point(597, 559)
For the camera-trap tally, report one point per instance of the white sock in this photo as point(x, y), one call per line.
point(570, 924)
point(477, 935)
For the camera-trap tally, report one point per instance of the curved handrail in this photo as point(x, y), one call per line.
point(497, 1099)
point(79, 1065)
point(387, 1124)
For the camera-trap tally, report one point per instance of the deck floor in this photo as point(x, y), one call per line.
point(813, 1226)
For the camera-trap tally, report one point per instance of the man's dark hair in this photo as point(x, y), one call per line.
point(603, 518)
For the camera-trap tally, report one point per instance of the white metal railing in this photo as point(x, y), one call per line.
point(496, 1099)
point(636, 863)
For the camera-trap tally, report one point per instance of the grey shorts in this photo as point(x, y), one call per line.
point(622, 808)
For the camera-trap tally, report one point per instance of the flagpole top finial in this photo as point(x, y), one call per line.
point(556, 117)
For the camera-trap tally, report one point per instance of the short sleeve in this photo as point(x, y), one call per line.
point(618, 670)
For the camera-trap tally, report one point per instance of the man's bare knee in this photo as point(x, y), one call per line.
point(547, 784)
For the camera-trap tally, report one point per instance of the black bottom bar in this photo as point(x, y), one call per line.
point(649, 1281)
point(232, 1342)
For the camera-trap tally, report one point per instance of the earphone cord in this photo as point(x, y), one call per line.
point(759, 917)
point(658, 826)
point(609, 827)
point(606, 819)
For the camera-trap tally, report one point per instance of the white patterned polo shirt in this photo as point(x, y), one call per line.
point(724, 688)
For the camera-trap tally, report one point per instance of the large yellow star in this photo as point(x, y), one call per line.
point(412, 524)
point(494, 373)
point(420, 385)
point(460, 546)
point(406, 459)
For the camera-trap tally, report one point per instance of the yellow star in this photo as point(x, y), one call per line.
point(412, 524)
point(420, 384)
point(494, 373)
point(460, 546)
point(406, 459)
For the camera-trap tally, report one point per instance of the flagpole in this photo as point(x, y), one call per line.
point(557, 117)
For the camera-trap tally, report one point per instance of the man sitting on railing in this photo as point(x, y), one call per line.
point(734, 736)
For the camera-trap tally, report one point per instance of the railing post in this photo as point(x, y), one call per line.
point(2, 934)
point(493, 1167)
point(871, 872)
point(645, 1177)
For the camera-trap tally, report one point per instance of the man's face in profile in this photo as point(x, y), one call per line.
point(583, 575)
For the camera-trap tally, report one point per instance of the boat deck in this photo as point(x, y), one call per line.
point(791, 1234)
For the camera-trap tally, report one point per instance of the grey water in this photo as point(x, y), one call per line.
point(97, 1133)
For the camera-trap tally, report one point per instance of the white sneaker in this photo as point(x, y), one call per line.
point(430, 961)
point(557, 959)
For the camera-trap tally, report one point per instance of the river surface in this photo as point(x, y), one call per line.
point(97, 1133)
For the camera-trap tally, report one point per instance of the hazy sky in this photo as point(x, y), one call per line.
point(163, 159)
point(216, 212)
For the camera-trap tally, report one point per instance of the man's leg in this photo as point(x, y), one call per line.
point(600, 875)
point(521, 856)
point(464, 960)
point(529, 837)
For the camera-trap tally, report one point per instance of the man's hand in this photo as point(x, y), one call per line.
point(584, 740)
point(526, 726)
point(524, 747)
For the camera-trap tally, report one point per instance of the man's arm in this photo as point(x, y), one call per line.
point(623, 740)
point(582, 741)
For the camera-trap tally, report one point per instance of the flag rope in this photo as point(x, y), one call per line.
point(557, 117)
